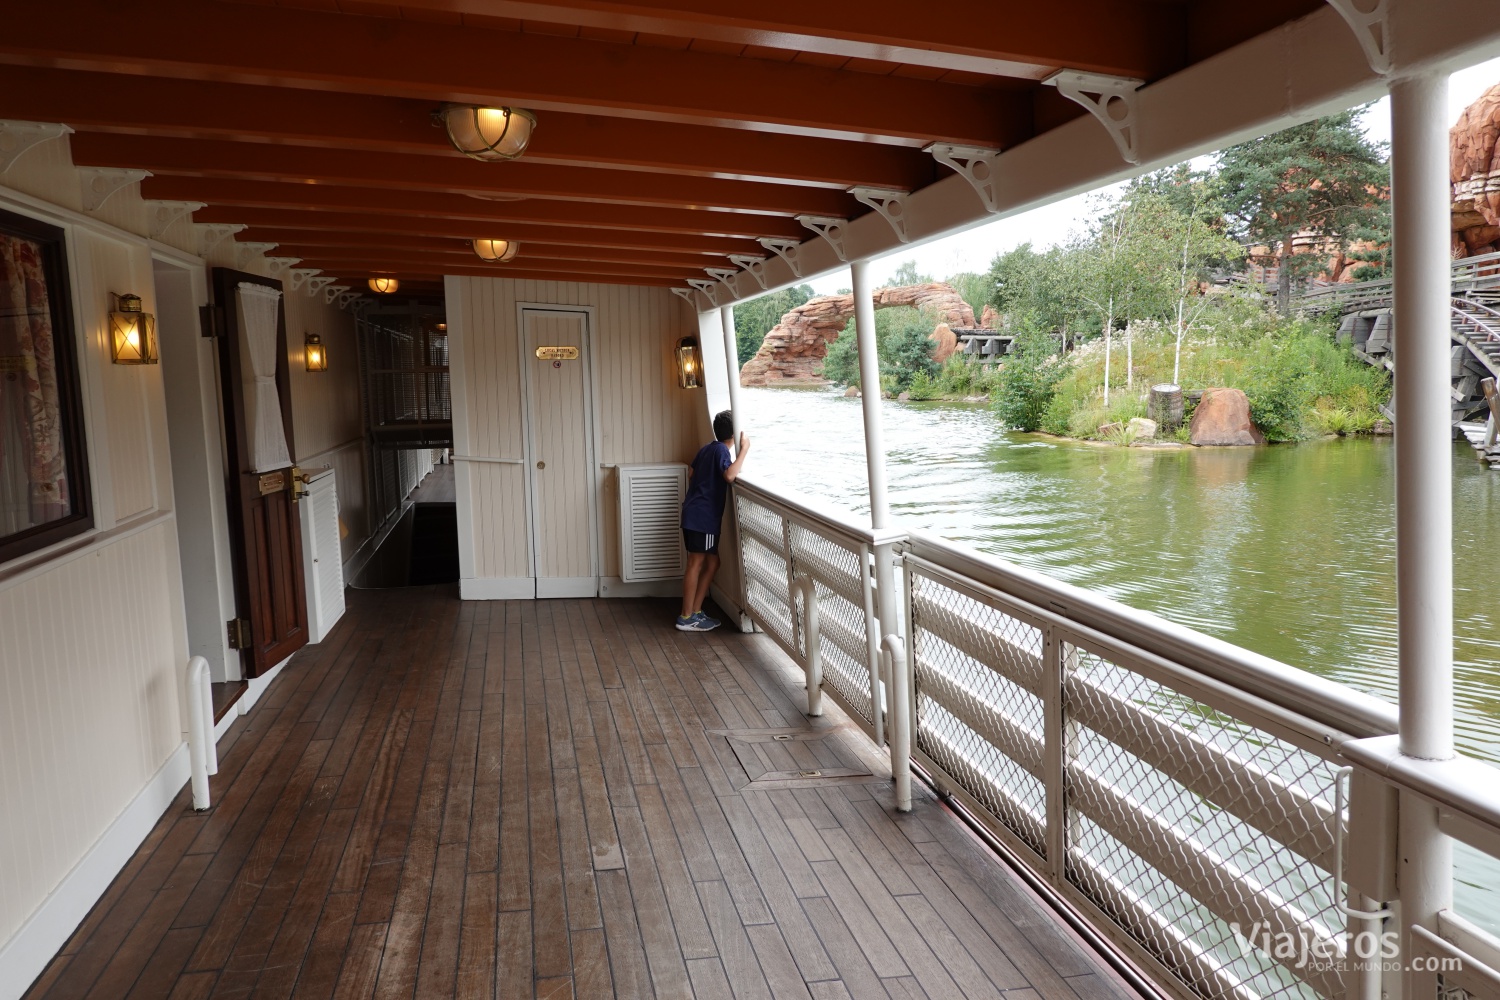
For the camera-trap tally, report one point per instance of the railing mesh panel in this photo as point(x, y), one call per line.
point(838, 578)
point(765, 568)
point(974, 720)
point(1179, 819)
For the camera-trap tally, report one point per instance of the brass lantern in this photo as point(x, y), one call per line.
point(689, 363)
point(496, 251)
point(385, 286)
point(488, 133)
point(132, 332)
point(314, 354)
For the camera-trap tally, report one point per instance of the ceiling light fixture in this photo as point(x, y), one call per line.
point(496, 251)
point(488, 133)
point(385, 286)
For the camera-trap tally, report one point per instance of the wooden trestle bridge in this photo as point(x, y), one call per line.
point(1368, 328)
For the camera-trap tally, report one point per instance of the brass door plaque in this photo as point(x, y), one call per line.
point(272, 482)
point(566, 353)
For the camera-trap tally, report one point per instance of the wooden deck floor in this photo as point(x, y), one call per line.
point(525, 799)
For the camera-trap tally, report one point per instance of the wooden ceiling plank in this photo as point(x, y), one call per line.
point(461, 252)
point(314, 50)
point(212, 110)
point(272, 162)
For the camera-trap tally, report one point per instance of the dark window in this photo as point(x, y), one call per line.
point(44, 489)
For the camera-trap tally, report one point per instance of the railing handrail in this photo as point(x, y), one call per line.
point(803, 507)
point(1462, 785)
point(1333, 704)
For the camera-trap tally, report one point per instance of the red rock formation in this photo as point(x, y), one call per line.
point(990, 320)
point(944, 342)
point(1223, 418)
point(794, 349)
point(1474, 163)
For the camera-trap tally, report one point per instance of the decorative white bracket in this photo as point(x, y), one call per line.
point(890, 204)
point(1372, 27)
point(245, 253)
point(360, 304)
point(754, 266)
point(829, 228)
point(214, 233)
point(706, 287)
point(280, 265)
point(1111, 99)
point(788, 250)
point(687, 295)
point(974, 164)
point(17, 137)
point(302, 275)
point(166, 214)
point(724, 274)
point(100, 183)
point(347, 297)
point(333, 292)
point(316, 285)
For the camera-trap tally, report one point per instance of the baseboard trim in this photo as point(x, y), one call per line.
point(567, 586)
point(256, 686)
point(497, 588)
point(613, 586)
point(26, 955)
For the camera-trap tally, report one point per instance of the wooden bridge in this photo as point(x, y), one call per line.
point(1368, 327)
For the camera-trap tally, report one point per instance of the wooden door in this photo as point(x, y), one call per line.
point(561, 453)
point(265, 532)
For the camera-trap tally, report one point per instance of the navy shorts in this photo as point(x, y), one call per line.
point(699, 541)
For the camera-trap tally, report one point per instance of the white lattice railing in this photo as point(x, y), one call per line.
point(1182, 793)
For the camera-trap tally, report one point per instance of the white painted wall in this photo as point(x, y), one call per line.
point(641, 415)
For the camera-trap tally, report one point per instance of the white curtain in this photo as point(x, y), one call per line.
point(259, 311)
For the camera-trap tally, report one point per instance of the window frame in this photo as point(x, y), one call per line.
point(53, 241)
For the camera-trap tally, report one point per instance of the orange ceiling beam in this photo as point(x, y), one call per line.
point(462, 253)
point(357, 276)
point(318, 50)
point(1019, 38)
point(441, 205)
point(269, 220)
point(212, 110)
point(454, 174)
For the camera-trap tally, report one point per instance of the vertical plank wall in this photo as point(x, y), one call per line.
point(640, 413)
point(93, 636)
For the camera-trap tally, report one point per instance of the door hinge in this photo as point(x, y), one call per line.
point(239, 633)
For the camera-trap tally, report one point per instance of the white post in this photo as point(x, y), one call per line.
point(898, 673)
point(732, 367)
point(1421, 198)
point(869, 391)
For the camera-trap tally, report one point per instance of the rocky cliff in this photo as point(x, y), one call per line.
point(1474, 159)
point(793, 351)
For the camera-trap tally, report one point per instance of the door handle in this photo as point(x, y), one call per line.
point(541, 465)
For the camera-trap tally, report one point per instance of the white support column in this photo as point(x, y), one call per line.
point(869, 391)
point(732, 369)
point(1421, 199)
point(898, 668)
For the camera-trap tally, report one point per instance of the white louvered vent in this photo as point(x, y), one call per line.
point(322, 558)
point(651, 521)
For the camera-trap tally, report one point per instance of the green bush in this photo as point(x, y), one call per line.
point(902, 340)
point(841, 365)
point(922, 386)
point(1027, 382)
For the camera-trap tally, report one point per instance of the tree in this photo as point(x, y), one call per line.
point(1041, 286)
point(1027, 380)
point(1322, 179)
point(907, 274)
point(754, 319)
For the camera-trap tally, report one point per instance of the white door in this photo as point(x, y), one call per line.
point(560, 438)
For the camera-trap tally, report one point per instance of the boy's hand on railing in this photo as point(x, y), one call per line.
point(744, 442)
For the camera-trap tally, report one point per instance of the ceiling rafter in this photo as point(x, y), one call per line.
point(263, 161)
point(319, 50)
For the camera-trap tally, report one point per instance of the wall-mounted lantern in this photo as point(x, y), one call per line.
point(132, 332)
point(314, 354)
point(496, 251)
point(689, 363)
point(384, 286)
point(488, 133)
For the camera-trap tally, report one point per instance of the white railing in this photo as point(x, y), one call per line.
point(1182, 793)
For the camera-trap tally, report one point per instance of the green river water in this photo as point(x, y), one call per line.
point(1287, 550)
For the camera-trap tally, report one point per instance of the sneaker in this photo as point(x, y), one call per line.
point(692, 623)
point(705, 623)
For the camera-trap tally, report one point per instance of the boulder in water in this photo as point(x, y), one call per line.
point(852, 392)
point(1141, 428)
point(1222, 419)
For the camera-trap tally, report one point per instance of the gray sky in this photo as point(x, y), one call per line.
point(1047, 226)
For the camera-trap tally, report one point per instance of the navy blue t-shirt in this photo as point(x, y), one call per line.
point(703, 507)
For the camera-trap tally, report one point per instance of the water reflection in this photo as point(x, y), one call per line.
point(1288, 551)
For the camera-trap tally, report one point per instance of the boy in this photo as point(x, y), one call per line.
point(702, 515)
